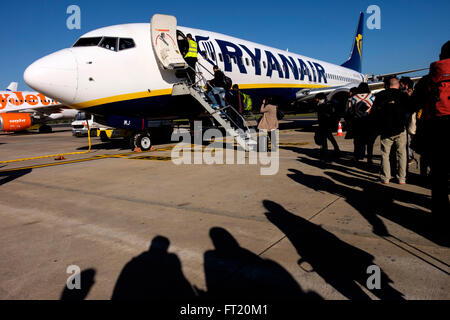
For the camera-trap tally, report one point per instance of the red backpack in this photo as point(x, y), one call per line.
point(440, 87)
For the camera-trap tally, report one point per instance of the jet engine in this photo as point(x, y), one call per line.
point(13, 122)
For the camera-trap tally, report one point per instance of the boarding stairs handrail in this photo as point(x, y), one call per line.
point(241, 133)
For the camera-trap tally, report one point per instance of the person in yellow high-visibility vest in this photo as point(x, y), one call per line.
point(191, 57)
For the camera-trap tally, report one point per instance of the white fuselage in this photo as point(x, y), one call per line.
point(131, 81)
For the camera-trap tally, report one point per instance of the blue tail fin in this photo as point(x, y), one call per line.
point(355, 60)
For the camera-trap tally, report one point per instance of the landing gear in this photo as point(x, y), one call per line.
point(45, 129)
point(142, 141)
point(104, 136)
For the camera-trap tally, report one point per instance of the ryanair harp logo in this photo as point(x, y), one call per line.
point(359, 39)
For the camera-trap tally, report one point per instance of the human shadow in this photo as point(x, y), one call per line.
point(345, 159)
point(233, 272)
point(87, 278)
point(6, 177)
point(340, 264)
point(386, 203)
point(364, 205)
point(153, 275)
point(373, 200)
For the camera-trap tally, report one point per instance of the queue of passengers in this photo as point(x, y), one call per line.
point(409, 120)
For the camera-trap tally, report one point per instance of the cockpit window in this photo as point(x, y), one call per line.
point(125, 43)
point(88, 42)
point(109, 43)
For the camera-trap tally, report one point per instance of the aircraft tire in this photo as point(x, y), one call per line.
point(103, 137)
point(143, 141)
point(45, 129)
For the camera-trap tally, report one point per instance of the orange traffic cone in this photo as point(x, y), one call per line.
point(340, 133)
point(60, 158)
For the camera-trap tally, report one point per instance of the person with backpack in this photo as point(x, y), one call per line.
point(218, 86)
point(327, 122)
point(360, 107)
point(239, 100)
point(437, 115)
point(390, 109)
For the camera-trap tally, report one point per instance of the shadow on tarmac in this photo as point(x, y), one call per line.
point(87, 278)
point(6, 177)
point(231, 272)
point(341, 265)
point(375, 200)
point(153, 275)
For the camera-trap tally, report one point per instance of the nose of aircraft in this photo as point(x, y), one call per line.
point(55, 75)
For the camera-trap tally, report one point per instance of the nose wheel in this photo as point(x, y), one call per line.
point(142, 141)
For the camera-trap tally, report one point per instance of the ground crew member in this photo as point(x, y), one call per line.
point(191, 57)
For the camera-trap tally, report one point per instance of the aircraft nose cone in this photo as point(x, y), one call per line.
point(55, 75)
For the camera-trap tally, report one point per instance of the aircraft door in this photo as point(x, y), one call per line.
point(164, 41)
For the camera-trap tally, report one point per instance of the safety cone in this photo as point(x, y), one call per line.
point(138, 150)
point(59, 158)
point(340, 133)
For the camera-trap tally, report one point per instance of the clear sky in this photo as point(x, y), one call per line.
point(412, 31)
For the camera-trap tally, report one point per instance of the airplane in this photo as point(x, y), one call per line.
point(129, 74)
point(20, 110)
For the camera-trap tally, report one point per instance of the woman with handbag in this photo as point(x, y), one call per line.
point(269, 120)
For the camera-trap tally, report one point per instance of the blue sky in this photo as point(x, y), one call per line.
point(412, 32)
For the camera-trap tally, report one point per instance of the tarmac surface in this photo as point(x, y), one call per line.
point(310, 231)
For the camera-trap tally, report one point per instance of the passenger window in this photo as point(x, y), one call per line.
point(126, 43)
point(253, 63)
point(109, 43)
point(213, 56)
point(88, 42)
point(264, 64)
point(228, 58)
point(220, 57)
point(234, 60)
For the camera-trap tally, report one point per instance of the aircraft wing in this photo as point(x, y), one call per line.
point(382, 76)
point(377, 86)
point(37, 110)
point(308, 94)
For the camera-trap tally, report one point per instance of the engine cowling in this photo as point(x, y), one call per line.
point(13, 122)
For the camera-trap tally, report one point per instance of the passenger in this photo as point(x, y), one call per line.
point(419, 142)
point(437, 114)
point(269, 120)
point(191, 58)
point(407, 86)
point(217, 87)
point(391, 109)
point(363, 126)
point(348, 114)
point(326, 117)
point(236, 99)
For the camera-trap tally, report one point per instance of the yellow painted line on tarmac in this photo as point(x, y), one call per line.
point(99, 157)
point(152, 158)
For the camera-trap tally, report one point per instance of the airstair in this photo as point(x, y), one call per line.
point(165, 46)
point(227, 117)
